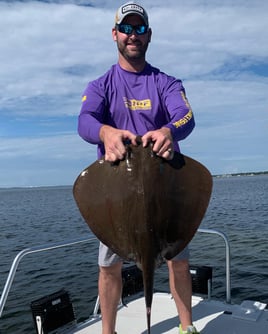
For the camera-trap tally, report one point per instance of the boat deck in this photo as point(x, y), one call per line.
point(209, 317)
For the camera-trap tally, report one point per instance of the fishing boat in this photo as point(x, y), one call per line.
point(54, 313)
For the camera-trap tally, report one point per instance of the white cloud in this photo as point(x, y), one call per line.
point(42, 40)
point(43, 161)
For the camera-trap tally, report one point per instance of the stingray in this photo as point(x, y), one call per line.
point(144, 208)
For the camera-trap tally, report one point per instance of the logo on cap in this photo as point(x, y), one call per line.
point(132, 7)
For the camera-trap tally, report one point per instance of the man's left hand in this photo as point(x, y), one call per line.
point(162, 142)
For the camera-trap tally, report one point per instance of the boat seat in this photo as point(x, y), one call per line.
point(52, 312)
point(201, 280)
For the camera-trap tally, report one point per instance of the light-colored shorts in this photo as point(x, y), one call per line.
point(107, 257)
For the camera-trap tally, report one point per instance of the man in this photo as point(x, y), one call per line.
point(133, 98)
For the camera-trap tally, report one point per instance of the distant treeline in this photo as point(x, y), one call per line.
point(241, 174)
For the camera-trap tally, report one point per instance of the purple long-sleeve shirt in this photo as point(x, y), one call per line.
point(138, 102)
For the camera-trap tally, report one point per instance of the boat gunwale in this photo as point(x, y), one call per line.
point(52, 246)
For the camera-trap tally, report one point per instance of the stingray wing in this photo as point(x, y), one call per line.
point(111, 200)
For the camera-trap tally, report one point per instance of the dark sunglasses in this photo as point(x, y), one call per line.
point(128, 29)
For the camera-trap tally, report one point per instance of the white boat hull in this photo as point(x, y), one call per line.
point(210, 317)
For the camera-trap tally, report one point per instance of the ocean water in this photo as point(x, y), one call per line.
point(36, 216)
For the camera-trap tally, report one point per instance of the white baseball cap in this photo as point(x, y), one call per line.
point(129, 8)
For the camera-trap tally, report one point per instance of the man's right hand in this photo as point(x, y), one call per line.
point(113, 140)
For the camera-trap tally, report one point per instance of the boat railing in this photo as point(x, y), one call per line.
point(31, 250)
point(52, 246)
point(227, 260)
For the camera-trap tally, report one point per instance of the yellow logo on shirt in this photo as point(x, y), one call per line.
point(184, 120)
point(188, 116)
point(133, 104)
point(185, 99)
point(84, 98)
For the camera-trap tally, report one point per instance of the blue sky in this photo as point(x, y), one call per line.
point(51, 49)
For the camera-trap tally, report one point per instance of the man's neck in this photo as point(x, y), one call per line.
point(136, 65)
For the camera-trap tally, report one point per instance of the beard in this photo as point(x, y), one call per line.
point(132, 51)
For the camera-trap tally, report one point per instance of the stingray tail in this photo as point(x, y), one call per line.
point(148, 310)
point(148, 281)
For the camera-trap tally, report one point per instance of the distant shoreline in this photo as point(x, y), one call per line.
point(241, 174)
